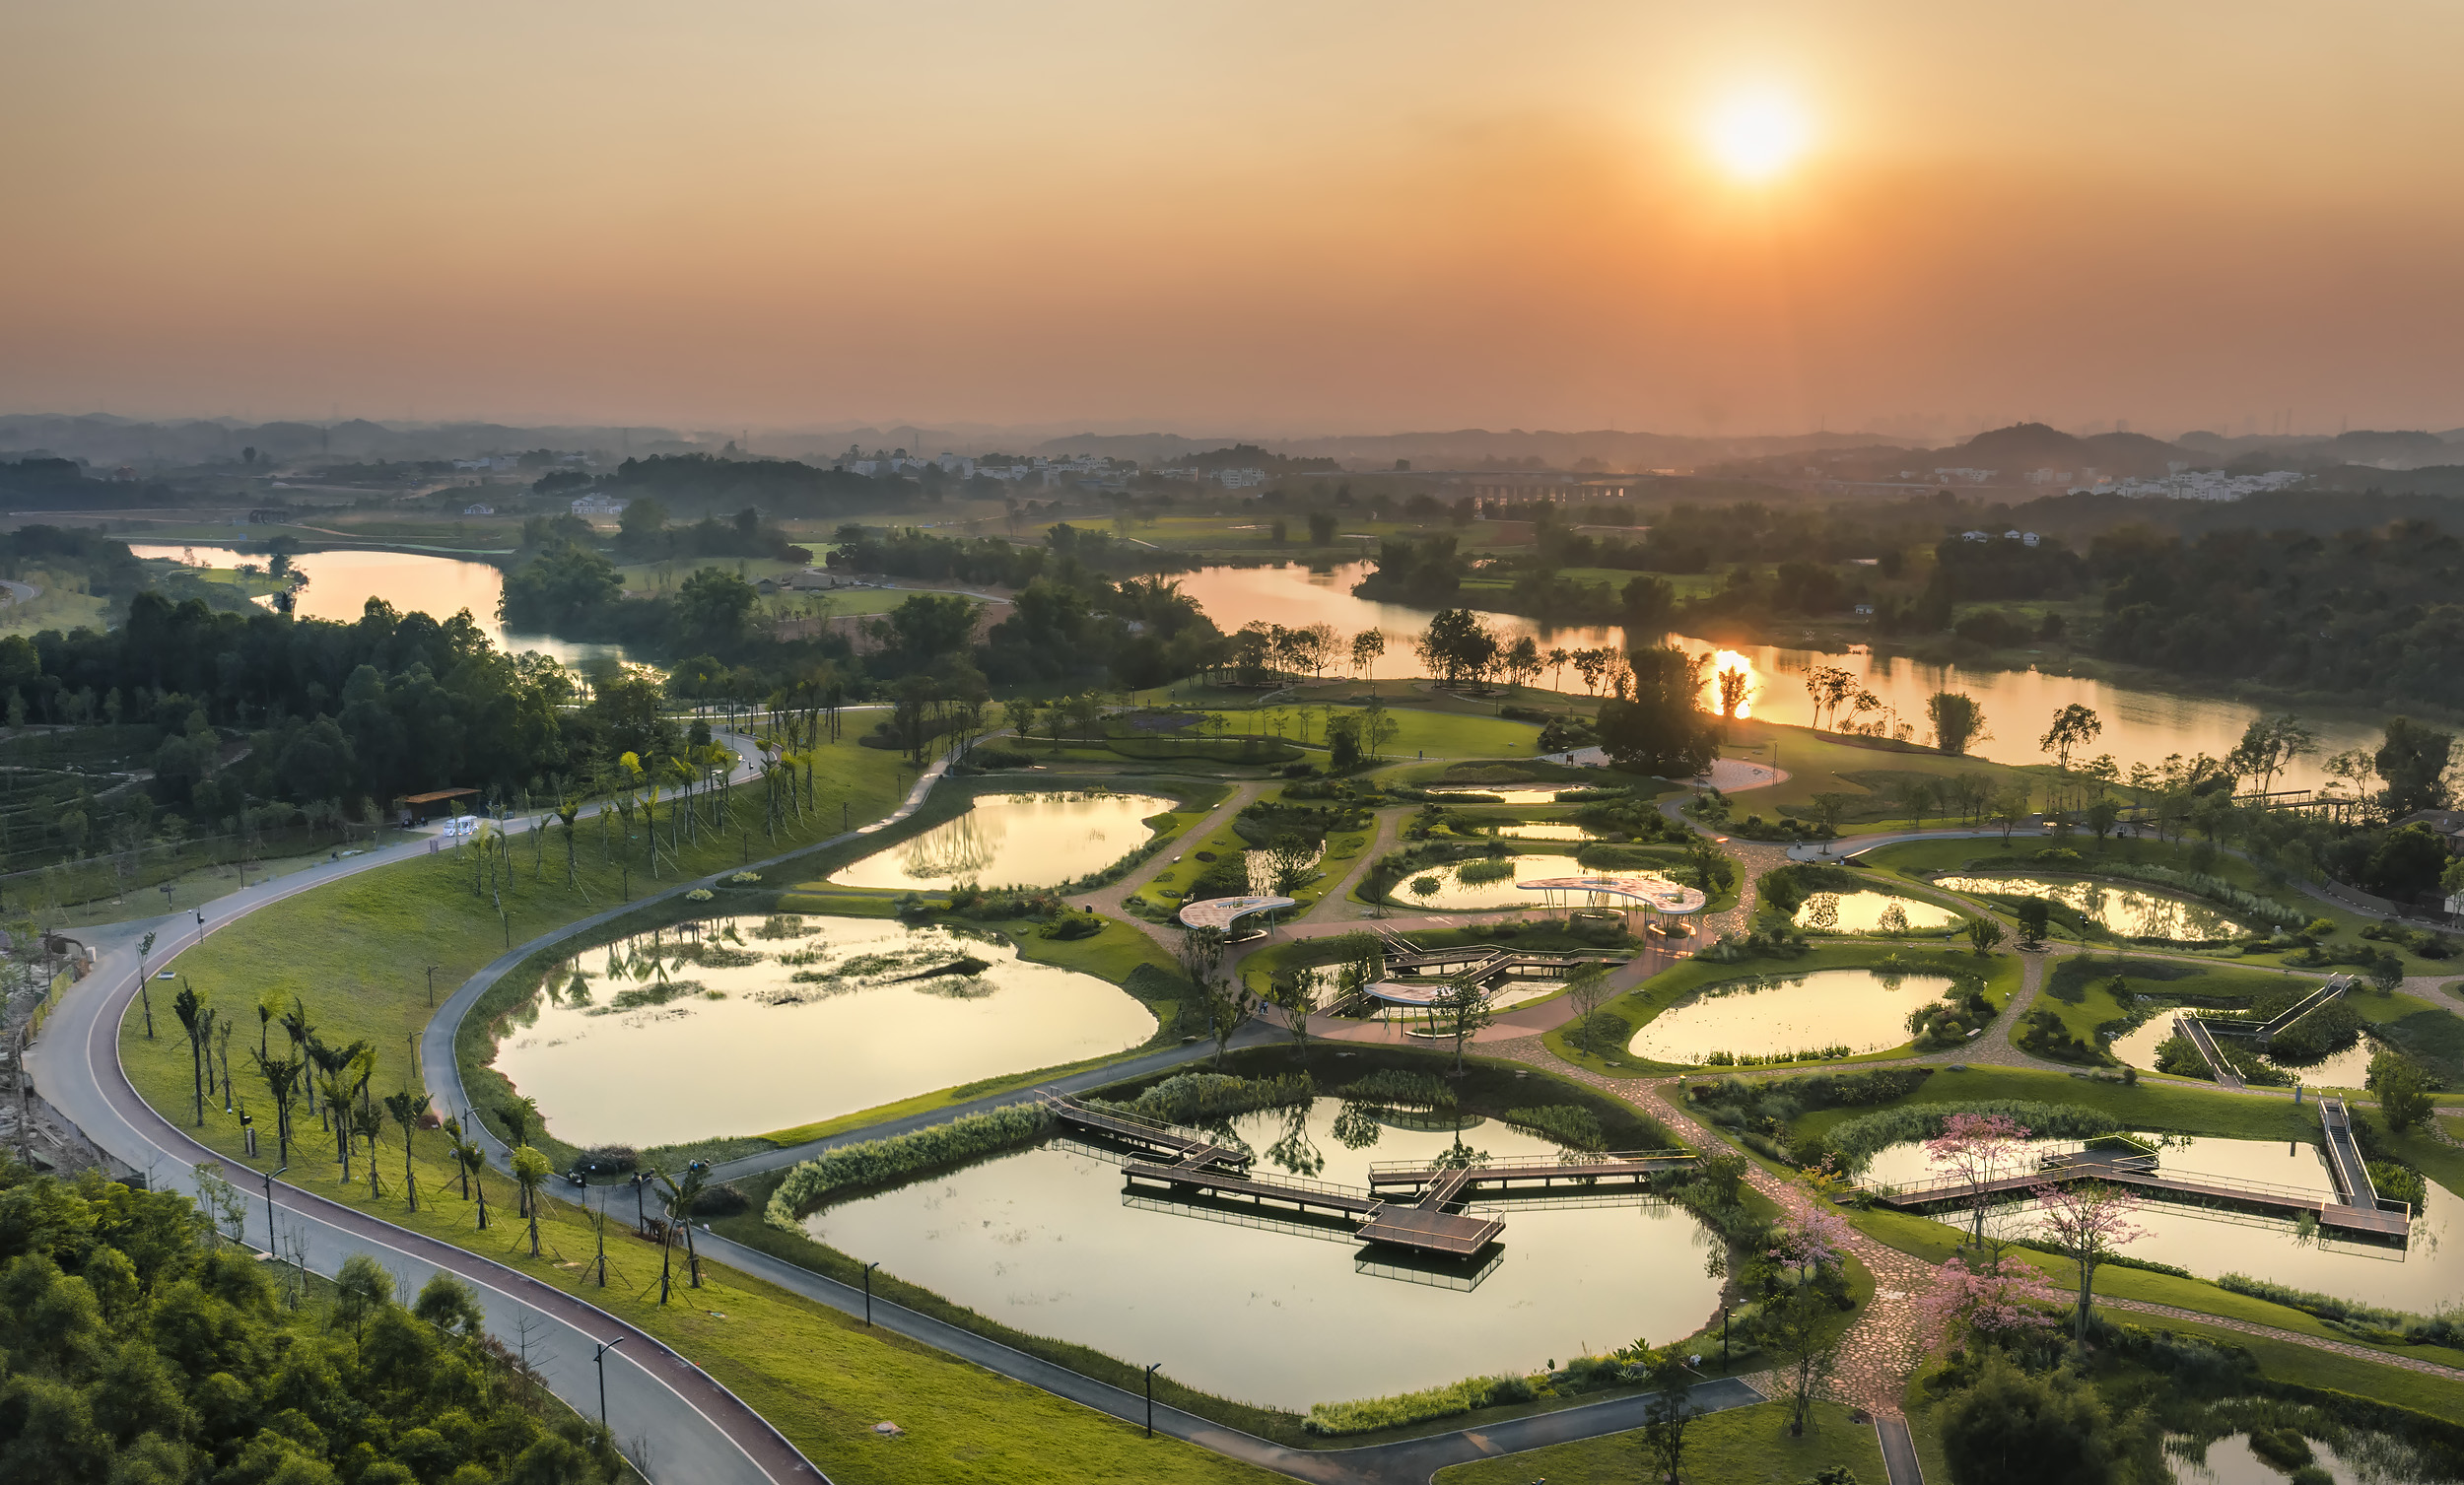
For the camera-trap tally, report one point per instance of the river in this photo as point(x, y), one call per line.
point(2140, 726)
point(340, 584)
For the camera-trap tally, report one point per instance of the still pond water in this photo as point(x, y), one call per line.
point(1025, 839)
point(2140, 726)
point(1862, 1010)
point(2132, 912)
point(2340, 1069)
point(2422, 1278)
point(1452, 894)
point(1043, 1239)
point(766, 1023)
point(1870, 912)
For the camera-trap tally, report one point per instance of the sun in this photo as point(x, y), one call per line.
point(1757, 135)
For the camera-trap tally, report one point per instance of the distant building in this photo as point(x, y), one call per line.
point(479, 510)
point(2447, 825)
point(1976, 536)
point(1972, 476)
point(1241, 479)
point(957, 464)
point(595, 504)
point(1865, 610)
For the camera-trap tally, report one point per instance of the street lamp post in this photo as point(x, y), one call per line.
point(432, 986)
point(1150, 1397)
point(598, 1358)
point(868, 1268)
point(269, 1206)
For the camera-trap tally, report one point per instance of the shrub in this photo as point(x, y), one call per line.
point(1189, 1096)
point(877, 1162)
point(1071, 925)
point(725, 1199)
point(1857, 1140)
point(744, 878)
point(1409, 1089)
point(1001, 758)
point(1569, 1124)
point(1330, 1420)
point(1484, 871)
point(699, 895)
point(609, 1160)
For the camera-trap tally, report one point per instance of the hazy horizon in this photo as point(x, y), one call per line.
point(1275, 219)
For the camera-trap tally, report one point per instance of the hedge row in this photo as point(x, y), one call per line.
point(1453, 1400)
point(881, 1162)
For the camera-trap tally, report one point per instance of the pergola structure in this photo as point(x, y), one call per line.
point(1628, 892)
point(1221, 912)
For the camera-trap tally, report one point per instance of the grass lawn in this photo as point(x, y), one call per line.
point(2089, 978)
point(1819, 763)
point(2169, 1107)
point(1748, 1445)
point(1420, 731)
point(1639, 1006)
point(62, 605)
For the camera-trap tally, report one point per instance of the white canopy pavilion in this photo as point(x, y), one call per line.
point(1221, 912)
point(1627, 891)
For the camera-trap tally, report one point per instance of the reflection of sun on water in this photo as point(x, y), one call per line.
point(1723, 661)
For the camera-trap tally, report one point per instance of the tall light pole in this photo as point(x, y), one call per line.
point(598, 1358)
point(1150, 1397)
point(269, 1206)
point(432, 986)
point(868, 1268)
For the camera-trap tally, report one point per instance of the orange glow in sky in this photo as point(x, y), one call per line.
point(1271, 218)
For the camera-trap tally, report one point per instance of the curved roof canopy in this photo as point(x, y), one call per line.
point(1222, 912)
point(1658, 894)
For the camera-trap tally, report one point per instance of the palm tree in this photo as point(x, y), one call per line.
point(679, 1202)
point(283, 1079)
point(530, 1173)
point(407, 1112)
point(368, 1123)
point(190, 1006)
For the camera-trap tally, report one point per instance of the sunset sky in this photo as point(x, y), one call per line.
point(1254, 218)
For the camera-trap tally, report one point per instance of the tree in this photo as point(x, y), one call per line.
point(1522, 661)
point(1458, 646)
point(1828, 808)
point(1806, 1250)
point(1367, 647)
point(1290, 857)
point(1978, 1149)
point(362, 1290)
point(1297, 998)
point(367, 1121)
point(1557, 661)
point(1588, 988)
point(2074, 727)
point(189, 1007)
point(2270, 745)
point(1991, 1298)
point(2010, 810)
point(2404, 1097)
point(2036, 915)
point(682, 1196)
point(2409, 863)
point(2412, 761)
point(283, 1077)
point(1736, 692)
point(1916, 800)
point(407, 1110)
point(1661, 730)
point(1671, 1408)
point(1705, 860)
point(1463, 1008)
point(531, 1174)
point(2086, 1222)
point(1958, 720)
point(2017, 1429)
point(1826, 687)
point(1984, 932)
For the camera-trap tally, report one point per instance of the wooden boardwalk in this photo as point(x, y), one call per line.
point(2195, 1027)
point(2355, 1207)
point(1417, 1217)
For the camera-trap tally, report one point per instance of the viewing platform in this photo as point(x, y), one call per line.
point(1409, 1203)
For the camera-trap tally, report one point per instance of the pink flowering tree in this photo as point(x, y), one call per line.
point(1808, 1243)
point(2088, 1221)
point(1993, 1301)
point(1977, 1150)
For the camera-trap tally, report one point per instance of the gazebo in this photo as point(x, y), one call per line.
point(1652, 895)
point(1221, 912)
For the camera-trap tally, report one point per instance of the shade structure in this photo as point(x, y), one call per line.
point(1407, 992)
point(1222, 911)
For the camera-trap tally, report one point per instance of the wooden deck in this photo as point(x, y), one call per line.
point(1628, 1166)
point(2196, 1030)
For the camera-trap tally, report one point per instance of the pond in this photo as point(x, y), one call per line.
point(1545, 830)
point(1868, 912)
point(767, 1024)
point(1022, 839)
point(1452, 894)
point(2140, 726)
point(1045, 1240)
point(341, 582)
point(1484, 794)
point(2364, 1458)
point(2131, 911)
point(2421, 1278)
point(1863, 1010)
point(2340, 1069)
